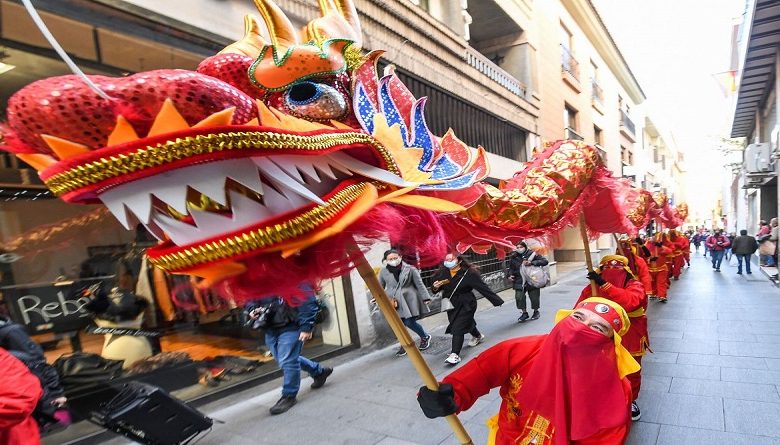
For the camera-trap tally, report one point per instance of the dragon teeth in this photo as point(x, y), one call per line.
point(246, 211)
point(346, 161)
point(283, 180)
point(179, 232)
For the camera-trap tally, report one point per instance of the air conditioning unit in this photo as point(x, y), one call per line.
point(758, 158)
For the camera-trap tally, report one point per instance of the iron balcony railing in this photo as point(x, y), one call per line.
point(572, 134)
point(597, 93)
point(626, 122)
point(568, 63)
point(494, 72)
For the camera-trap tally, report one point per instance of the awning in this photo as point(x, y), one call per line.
point(758, 70)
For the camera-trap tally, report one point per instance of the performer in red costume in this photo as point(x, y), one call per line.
point(617, 283)
point(659, 271)
point(19, 394)
point(637, 263)
point(678, 250)
point(566, 387)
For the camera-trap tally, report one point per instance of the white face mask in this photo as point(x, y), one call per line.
point(394, 262)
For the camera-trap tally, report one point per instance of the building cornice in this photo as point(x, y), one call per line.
point(589, 20)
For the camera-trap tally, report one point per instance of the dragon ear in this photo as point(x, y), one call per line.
point(283, 34)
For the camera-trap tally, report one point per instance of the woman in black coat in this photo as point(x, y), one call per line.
point(457, 279)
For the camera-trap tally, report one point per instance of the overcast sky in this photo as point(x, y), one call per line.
point(675, 48)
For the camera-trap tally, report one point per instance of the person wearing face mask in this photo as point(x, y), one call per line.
point(457, 279)
point(403, 285)
point(616, 282)
point(523, 256)
point(565, 387)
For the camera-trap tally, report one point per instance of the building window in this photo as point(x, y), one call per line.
point(597, 93)
point(570, 123)
point(598, 136)
point(421, 3)
point(568, 63)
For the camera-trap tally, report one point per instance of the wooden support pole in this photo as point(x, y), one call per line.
point(588, 259)
point(390, 314)
point(620, 248)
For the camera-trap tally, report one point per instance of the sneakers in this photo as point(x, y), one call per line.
point(319, 380)
point(652, 297)
point(452, 359)
point(476, 340)
point(425, 343)
point(635, 413)
point(739, 272)
point(523, 317)
point(662, 299)
point(536, 315)
point(284, 404)
point(400, 352)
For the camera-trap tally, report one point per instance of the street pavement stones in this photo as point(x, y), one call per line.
point(713, 378)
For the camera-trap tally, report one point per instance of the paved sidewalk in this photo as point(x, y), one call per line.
point(713, 378)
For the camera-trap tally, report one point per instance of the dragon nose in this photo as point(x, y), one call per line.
point(303, 93)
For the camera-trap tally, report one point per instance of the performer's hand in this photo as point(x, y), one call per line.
point(438, 403)
point(593, 275)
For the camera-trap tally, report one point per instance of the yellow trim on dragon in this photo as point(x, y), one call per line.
point(182, 148)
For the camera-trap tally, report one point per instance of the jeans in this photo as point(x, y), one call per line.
point(717, 257)
point(412, 324)
point(533, 295)
point(746, 257)
point(286, 349)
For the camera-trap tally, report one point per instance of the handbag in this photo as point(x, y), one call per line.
point(82, 368)
point(536, 276)
point(767, 248)
point(446, 304)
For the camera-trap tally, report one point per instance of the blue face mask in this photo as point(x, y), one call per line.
point(450, 264)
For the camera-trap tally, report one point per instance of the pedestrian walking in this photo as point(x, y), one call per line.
point(697, 240)
point(286, 329)
point(744, 247)
point(773, 237)
point(727, 254)
point(405, 288)
point(616, 282)
point(523, 256)
point(704, 236)
point(457, 280)
point(565, 387)
point(717, 244)
point(765, 250)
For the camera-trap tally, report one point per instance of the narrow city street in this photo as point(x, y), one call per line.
point(714, 376)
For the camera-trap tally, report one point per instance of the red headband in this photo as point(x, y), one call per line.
point(605, 311)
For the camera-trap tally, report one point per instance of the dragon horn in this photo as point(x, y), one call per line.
point(252, 42)
point(280, 28)
point(344, 8)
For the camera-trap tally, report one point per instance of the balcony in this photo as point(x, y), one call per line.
point(627, 126)
point(494, 72)
point(569, 64)
point(570, 133)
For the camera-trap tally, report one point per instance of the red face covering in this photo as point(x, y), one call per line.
point(617, 277)
point(574, 383)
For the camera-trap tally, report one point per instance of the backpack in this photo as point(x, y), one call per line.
point(271, 313)
point(536, 276)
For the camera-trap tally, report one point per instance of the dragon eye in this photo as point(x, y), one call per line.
point(315, 101)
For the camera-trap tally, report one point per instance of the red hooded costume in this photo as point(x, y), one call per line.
point(549, 383)
point(623, 289)
point(19, 393)
point(659, 272)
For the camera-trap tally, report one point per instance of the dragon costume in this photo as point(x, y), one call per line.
point(259, 169)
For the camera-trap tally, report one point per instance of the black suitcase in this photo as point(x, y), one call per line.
point(149, 415)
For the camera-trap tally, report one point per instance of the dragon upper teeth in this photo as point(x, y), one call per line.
point(282, 179)
point(297, 181)
point(367, 170)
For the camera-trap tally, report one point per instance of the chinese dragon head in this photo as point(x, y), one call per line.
point(258, 169)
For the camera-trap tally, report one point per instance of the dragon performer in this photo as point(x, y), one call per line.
point(259, 169)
